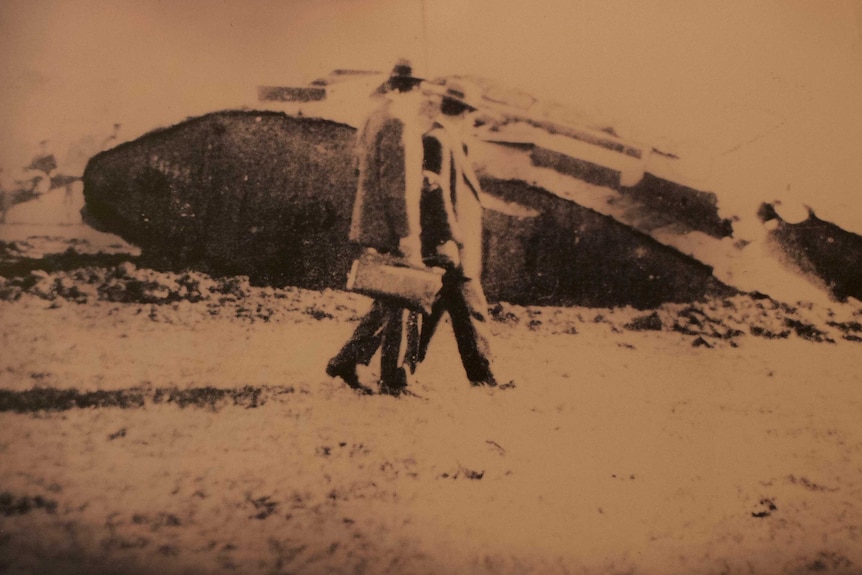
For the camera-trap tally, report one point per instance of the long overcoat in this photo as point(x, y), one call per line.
point(445, 155)
point(389, 164)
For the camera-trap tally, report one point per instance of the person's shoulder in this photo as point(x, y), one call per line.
point(387, 115)
point(380, 112)
point(379, 122)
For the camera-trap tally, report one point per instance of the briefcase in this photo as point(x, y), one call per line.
point(385, 276)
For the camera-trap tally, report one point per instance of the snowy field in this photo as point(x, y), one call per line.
point(176, 423)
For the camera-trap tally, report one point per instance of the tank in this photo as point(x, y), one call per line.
point(269, 195)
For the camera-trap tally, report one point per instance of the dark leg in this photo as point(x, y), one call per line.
point(429, 326)
point(395, 361)
point(360, 348)
point(415, 323)
point(366, 338)
point(390, 346)
point(468, 309)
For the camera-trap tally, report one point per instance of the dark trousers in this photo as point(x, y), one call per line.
point(465, 301)
point(394, 330)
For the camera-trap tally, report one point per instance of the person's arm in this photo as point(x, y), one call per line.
point(438, 175)
point(410, 244)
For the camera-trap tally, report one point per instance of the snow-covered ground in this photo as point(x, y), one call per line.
point(178, 424)
point(175, 423)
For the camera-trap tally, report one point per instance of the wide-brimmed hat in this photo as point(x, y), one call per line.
point(402, 75)
point(462, 92)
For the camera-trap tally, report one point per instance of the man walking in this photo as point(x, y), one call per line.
point(451, 232)
point(386, 219)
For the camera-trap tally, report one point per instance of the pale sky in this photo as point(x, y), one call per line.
point(699, 78)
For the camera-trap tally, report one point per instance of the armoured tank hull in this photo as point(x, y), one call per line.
point(270, 196)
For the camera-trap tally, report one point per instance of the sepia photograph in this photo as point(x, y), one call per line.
point(415, 287)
